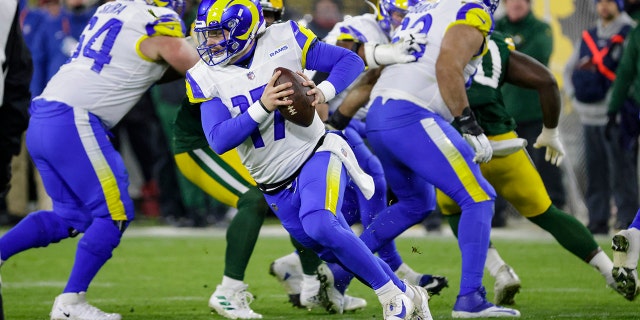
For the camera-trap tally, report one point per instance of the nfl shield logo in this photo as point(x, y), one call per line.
point(251, 75)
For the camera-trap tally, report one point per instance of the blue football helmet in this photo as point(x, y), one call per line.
point(175, 5)
point(274, 7)
point(386, 9)
point(237, 22)
point(492, 5)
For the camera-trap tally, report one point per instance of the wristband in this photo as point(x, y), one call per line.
point(263, 106)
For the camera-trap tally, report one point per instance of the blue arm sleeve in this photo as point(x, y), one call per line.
point(343, 65)
point(223, 132)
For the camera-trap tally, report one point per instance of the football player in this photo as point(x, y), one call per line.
point(408, 127)
point(126, 47)
point(511, 171)
point(368, 35)
point(224, 178)
point(302, 171)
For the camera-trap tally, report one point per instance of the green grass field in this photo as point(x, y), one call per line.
point(155, 278)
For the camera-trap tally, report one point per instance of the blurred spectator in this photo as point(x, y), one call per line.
point(532, 37)
point(56, 38)
point(590, 71)
point(325, 14)
point(632, 7)
point(26, 182)
point(14, 88)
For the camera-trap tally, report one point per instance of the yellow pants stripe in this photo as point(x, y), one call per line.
point(100, 165)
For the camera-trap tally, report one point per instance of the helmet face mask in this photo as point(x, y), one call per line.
point(492, 5)
point(274, 8)
point(390, 13)
point(225, 28)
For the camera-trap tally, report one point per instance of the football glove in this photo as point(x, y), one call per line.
point(550, 138)
point(474, 135)
point(408, 48)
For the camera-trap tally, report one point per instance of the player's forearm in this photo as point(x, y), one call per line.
point(459, 45)
point(550, 101)
point(223, 132)
point(452, 89)
point(526, 72)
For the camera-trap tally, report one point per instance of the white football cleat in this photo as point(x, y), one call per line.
point(421, 303)
point(398, 308)
point(233, 303)
point(506, 286)
point(288, 271)
point(310, 293)
point(354, 303)
point(74, 306)
point(331, 298)
point(626, 249)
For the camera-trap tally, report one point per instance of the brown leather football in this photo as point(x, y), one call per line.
point(300, 111)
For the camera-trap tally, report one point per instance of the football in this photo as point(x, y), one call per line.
point(300, 111)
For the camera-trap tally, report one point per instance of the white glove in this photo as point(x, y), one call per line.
point(550, 138)
point(409, 48)
point(481, 145)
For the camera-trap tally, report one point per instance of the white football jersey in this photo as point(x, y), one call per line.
point(363, 28)
point(107, 73)
point(416, 82)
point(279, 147)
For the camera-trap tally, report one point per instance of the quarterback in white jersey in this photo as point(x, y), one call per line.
point(125, 48)
point(408, 127)
point(302, 171)
point(278, 47)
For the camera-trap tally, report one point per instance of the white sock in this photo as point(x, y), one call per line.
point(232, 283)
point(494, 261)
point(404, 272)
point(604, 265)
point(387, 291)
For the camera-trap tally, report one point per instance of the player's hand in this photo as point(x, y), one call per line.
point(550, 138)
point(408, 48)
point(481, 145)
point(274, 96)
point(474, 135)
point(319, 95)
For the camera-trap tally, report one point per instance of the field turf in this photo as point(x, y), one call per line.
point(160, 277)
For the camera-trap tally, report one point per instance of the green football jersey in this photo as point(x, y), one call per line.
point(485, 97)
point(187, 130)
